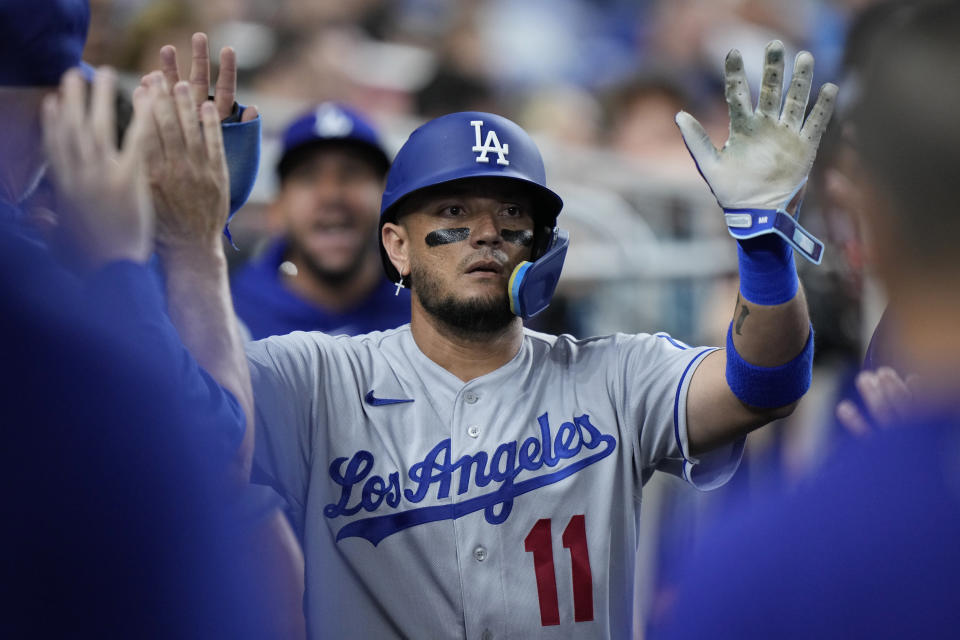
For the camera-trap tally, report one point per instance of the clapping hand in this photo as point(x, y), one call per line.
point(887, 399)
point(186, 167)
point(225, 92)
point(103, 196)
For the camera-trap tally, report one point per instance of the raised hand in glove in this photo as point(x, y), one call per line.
point(770, 150)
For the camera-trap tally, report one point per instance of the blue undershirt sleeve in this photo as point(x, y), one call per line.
point(128, 294)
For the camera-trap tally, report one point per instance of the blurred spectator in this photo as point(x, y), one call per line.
point(544, 42)
point(145, 31)
point(450, 91)
point(641, 113)
point(565, 114)
point(305, 55)
point(854, 304)
point(843, 179)
point(867, 549)
point(310, 14)
point(324, 272)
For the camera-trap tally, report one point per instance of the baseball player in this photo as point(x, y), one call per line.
point(463, 477)
point(323, 273)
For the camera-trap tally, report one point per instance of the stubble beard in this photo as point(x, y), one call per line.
point(470, 318)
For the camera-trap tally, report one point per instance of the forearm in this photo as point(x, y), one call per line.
point(770, 335)
point(767, 364)
point(770, 322)
point(199, 304)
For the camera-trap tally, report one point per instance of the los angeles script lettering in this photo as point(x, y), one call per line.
point(361, 490)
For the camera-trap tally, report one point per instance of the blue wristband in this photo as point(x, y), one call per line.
point(769, 387)
point(768, 274)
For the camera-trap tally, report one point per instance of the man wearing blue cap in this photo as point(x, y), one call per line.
point(324, 273)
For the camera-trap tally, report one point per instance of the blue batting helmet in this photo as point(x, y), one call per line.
point(465, 145)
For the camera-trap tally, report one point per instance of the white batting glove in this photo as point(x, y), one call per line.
point(769, 153)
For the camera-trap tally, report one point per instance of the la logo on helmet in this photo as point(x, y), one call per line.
point(492, 143)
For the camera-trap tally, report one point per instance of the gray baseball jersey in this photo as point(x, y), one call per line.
point(504, 507)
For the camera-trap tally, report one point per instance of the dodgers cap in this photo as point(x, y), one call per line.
point(331, 123)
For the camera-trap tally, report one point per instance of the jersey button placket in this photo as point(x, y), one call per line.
point(480, 577)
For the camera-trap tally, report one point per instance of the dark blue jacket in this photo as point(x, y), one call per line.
point(115, 449)
point(268, 308)
point(869, 547)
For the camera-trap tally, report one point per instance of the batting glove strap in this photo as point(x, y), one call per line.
point(770, 148)
point(744, 224)
point(769, 387)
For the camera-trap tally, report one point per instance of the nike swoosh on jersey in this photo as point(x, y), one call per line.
point(379, 402)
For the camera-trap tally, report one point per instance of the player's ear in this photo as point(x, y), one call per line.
point(396, 242)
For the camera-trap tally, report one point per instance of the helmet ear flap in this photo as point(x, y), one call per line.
point(542, 237)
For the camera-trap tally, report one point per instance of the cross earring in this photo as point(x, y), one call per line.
point(400, 285)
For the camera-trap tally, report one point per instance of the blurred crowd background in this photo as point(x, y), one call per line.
point(597, 82)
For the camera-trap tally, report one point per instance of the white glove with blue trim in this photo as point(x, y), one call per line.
point(769, 153)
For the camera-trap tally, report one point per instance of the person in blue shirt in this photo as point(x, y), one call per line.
point(126, 437)
point(867, 547)
point(324, 273)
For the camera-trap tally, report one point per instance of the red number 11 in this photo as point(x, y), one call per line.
point(540, 543)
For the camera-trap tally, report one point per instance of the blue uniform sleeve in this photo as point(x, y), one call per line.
point(127, 294)
point(241, 144)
